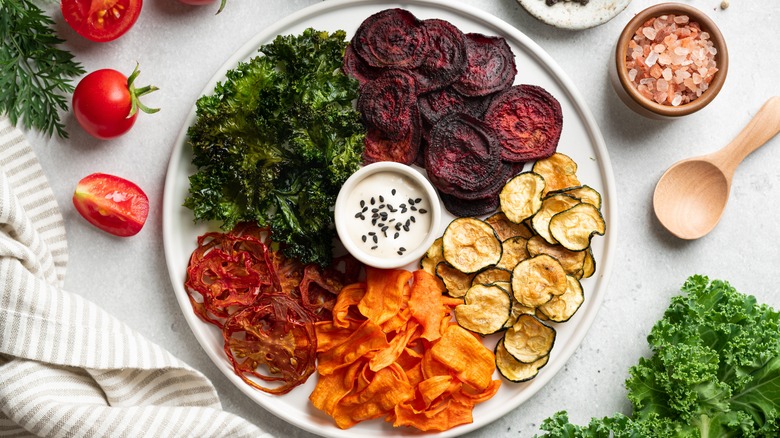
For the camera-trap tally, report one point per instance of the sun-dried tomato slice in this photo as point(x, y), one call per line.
point(272, 340)
point(391, 38)
point(491, 66)
point(527, 121)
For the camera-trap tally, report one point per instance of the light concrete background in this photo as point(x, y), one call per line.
point(179, 48)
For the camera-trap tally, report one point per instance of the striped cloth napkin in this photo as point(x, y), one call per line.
point(68, 368)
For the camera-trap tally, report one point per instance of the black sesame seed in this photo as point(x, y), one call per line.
point(364, 238)
point(397, 225)
point(358, 214)
point(413, 208)
point(375, 247)
point(410, 201)
point(392, 219)
point(381, 206)
point(406, 227)
point(372, 200)
point(371, 233)
point(418, 200)
point(413, 219)
point(381, 198)
point(384, 228)
point(362, 203)
point(375, 239)
point(374, 210)
point(392, 191)
point(407, 221)
point(365, 209)
point(402, 248)
point(402, 205)
point(423, 211)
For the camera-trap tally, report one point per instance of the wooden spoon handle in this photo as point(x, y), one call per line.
point(762, 127)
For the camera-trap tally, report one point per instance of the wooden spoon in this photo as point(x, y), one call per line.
point(691, 195)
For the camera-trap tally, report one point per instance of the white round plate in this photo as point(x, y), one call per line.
point(572, 15)
point(580, 139)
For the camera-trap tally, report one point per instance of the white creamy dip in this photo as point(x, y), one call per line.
point(388, 215)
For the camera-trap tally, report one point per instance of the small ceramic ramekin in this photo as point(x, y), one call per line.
point(387, 215)
point(625, 88)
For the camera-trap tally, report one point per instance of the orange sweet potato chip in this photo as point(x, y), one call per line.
point(393, 351)
point(384, 293)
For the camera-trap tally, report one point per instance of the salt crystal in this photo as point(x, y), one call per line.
point(667, 74)
point(632, 74)
point(676, 100)
point(651, 59)
point(696, 78)
point(646, 81)
point(662, 85)
point(659, 48)
point(659, 97)
point(649, 33)
point(664, 59)
point(681, 19)
point(681, 51)
point(704, 35)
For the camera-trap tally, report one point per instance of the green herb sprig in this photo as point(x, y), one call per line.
point(35, 75)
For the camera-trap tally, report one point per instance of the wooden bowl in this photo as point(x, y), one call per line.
point(647, 107)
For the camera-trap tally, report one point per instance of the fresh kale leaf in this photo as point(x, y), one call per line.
point(714, 372)
point(275, 142)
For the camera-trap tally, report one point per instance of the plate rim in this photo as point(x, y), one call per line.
point(532, 49)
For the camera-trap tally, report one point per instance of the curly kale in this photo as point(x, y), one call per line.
point(275, 142)
point(714, 372)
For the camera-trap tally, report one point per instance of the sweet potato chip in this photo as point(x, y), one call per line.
point(393, 351)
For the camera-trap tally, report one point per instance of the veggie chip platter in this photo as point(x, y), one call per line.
point(545, 323)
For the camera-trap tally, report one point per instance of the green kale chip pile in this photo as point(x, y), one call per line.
point(275, 142)
point(714, 372)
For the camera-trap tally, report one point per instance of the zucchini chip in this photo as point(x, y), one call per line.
point(573, 228)
point(563, 307)
point(559, 172)
point(529, 339)
point(584, 193)
point(514, 370)
point(456, 282)
point(492, 275)
point(536, 280)
point(486, 309)
point(506, 229)
point(432, 257)
point(521, 196)
point(470, 245)
point(589, 265)
point(517, 309)
point(571, 261)
point(551, 206)
point(513, 252)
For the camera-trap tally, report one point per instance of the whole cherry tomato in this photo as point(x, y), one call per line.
point(106, 103)
point(101, 20)
point(113, 204)
point(205, 2)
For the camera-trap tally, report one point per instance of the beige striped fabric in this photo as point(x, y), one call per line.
point(68, 368)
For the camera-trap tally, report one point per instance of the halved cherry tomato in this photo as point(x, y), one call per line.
point(101, 20)
point(113, 204)
point(106, 103)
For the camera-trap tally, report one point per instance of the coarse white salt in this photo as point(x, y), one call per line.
point(681, 19)
point(676, 99)
point(632, 74)
point(651, 59)
point(667, 74)
point(649, 33)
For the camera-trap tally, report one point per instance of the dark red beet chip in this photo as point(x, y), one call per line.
point(391, 38)
point(527, 121)
point(440, 103)
point(462, 154)
point(381, 148)
point(389, 104)
point(355, 67)
point(491, 66)
point(446, 58)
point(469, 207)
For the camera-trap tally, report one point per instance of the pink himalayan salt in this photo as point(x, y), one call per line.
point(670, 60)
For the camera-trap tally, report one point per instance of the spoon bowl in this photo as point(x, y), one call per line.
point(691, 196)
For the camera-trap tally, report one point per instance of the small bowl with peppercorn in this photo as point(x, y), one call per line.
point(387, 215)
point(670, 61)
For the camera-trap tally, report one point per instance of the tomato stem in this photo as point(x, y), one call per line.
point(136, 93)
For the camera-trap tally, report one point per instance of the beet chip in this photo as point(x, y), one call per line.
point(389, 104)
point(491, 66)
point(446, 58)
point(440, 103)
point(469, 207)
point(462, 156)
point(528, 122)
point(380, 148)
point(355, 67)
point(391, 38)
